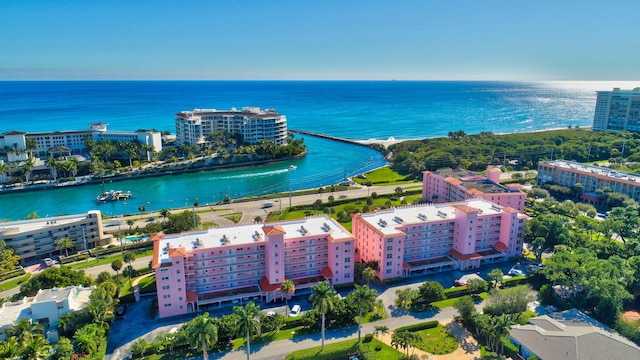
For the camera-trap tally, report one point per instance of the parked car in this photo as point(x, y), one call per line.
point(48, 262)
point(295, 310)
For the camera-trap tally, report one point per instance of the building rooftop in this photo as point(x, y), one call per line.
point(245, 111)
point(250, 234)
point(595, 170)
point(573, 338)
point(472, 181)
point(36, 224)
point(387, 221)
point(10, 312)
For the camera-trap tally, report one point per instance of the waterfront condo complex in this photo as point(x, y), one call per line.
point(447, 185)
point(70, 142)
point(202, 268)
point(617, 110)
point(255, 125)
point(590, 178)
point(417, 239)
point(36, 239)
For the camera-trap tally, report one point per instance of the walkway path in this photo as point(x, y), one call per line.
point(467, 350)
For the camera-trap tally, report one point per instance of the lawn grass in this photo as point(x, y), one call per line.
point(449, 302)
point(235, 217)
point(15, 282)
point(345, 348)
point(83, 264)
point(438, 340)
point(384, 176)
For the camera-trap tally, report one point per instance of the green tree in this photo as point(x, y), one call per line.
point(165, 213)
point(63, 350)
point(466, 308)
point(116, 265)
point(322, 299)
point(88, 338)
point(476, 286)
point(35, 347)
point(140, 347)
point(368, 274)
point(380, 329)
point(59, 277)
point(431, 291)
point(496, 276)
point(202, 334)
point(287, 288)
point(64, 244)
point(248, 322)
point(10, 349)
point(181, 222)
point(364, 298)
point(405, 297)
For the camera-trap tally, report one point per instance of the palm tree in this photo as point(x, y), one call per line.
point(380, 329)
point(364, 297)
point(129, 256)
point(35, 347)
point(130, 222)
point(368, 274)
point(23, 329)
point(248, 322)
point(322, 300)
point(202, 333)
point(4, 167)
point(116, 265)
point(87, 338)
point(165, 213)
point(51, 162)
point(10, 349)
point(64, 244)
point(398, 341)
point(287, 288)
point(67, 323)
point(501, 325)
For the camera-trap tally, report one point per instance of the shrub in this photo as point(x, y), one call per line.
point(417, 327)
point(368, 338)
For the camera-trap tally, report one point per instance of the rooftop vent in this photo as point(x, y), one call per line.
point(422, 216)
point(382, 223)
point(398, 219)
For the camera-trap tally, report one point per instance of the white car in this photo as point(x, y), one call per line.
point(48, 261)
point(295, 310)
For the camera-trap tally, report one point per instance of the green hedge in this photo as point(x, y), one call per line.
point(12, 274)
point(515, 280)
point(417, 327)
point(455, 292)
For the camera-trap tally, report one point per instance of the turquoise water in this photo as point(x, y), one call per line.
point(355, 110)
point(135, 238)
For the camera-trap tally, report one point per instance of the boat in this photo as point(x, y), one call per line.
point(113, 195)
point(292, 167)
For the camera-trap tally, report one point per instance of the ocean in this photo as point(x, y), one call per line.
point(359, 110)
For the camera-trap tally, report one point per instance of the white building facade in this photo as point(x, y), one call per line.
point(617, 110)
point(255, 125)
point(75, 140)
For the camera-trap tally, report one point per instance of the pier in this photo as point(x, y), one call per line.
point(330, 137)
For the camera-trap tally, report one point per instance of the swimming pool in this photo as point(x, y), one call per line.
point(136, 238)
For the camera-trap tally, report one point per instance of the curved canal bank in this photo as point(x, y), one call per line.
point(327, 162)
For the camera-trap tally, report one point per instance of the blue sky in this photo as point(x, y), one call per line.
point(328, 39)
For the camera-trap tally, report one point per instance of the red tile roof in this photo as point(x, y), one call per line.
point(177, 252)
point(274, 230)
point(327, 273)
point(501, 246)
point(467, 209)
point(453, 181)
point(406, 265)
point(266, 286)
point(459, 256)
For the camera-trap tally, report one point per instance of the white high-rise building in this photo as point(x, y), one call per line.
point(255, 125)
point(617, 110)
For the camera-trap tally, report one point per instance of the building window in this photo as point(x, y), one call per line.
point(347, 260)
point(388, 271)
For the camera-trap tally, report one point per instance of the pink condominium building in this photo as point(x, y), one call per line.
point(203, 268)
point(446, 185)
point(417, 239)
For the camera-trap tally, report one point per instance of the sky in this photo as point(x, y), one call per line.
point(320, 40)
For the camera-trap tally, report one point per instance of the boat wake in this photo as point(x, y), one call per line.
point(251, 175)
